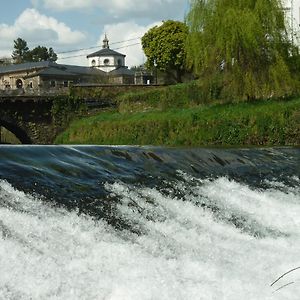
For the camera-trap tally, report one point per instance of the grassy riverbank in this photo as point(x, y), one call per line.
point(271, 122)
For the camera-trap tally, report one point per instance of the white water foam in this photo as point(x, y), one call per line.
point(186, 252)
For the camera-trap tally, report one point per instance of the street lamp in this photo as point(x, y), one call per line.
point(155, 70)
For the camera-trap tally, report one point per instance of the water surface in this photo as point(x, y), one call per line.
point(87, 222)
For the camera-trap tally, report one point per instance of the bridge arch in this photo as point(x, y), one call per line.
point(17, 131)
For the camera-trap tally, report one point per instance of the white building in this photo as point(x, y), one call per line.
point(112, 63)
point(106, 59)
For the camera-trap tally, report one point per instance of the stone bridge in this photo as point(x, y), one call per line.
point(29, 118)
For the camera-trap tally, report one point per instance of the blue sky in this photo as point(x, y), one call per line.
point(76, 24)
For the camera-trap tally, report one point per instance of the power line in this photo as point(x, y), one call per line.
point(88, 48)
point(73, 56)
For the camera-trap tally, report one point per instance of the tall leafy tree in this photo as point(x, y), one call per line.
point(41, 53)
point(164, 47)
point(240, 48)
point(21, 51)
point(52, 55)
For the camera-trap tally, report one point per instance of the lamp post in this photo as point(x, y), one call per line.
point(155, 70)
point(292, 21)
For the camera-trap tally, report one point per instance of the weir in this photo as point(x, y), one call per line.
point(149, 223)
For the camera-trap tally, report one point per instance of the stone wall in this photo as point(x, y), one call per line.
point(9, 81)
point(30, 121)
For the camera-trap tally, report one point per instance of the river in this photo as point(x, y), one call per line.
point(103, 222)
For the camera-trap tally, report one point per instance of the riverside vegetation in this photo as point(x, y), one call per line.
point(246, 93)
point(180, 115)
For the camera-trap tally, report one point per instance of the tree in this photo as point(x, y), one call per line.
point(52, 55)
point(164, 47)
point(21, 51)
point(5, 61)
point(41, 53)
point(240, 48)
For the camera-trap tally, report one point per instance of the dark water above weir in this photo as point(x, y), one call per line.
point(87, 222)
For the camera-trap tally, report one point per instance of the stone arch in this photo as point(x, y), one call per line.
point(20, 133)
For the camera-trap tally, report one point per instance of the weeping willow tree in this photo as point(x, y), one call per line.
point(241, 48)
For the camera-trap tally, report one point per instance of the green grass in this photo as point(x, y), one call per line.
point(183, 95)
point(248, 123)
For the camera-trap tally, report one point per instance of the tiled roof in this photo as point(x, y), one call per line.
point(51, 72)
point(121, 71)
point(105, 52)
point(47, 68)
point(25, 67)
point(79, 70)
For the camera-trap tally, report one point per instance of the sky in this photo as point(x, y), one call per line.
point(67, 25)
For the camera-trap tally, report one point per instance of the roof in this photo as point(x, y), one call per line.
point(47, 68)
point(25, 67)
point(79, 70)
point(121, 71)
point(105, 52)
point(51, 72)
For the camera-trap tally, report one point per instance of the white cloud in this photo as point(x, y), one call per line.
point(37, 28)
point(31, 20)
point(155, 9)
point(78, 59)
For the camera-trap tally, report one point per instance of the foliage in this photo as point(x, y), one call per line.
point(41, 53)
point(183, 95)
point(270, 122)
point(164, 47)
point(139, 68)
point(65, 108)
point(22, 53)
point(5, 61)
point(241, 48)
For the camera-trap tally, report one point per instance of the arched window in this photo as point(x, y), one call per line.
point(93, 63)
point(106, 61)
point(19, 83)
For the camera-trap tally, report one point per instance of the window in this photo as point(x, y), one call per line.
point(19, 83)
point(93, 63)
point(66, 84)
point(52, 83)
point(106, 61)
point(119, 62)
point(31, 84)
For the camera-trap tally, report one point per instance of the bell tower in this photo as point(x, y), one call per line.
point(105, 42)
point(106, 59)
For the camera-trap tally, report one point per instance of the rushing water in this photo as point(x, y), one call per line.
point(149, 223)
